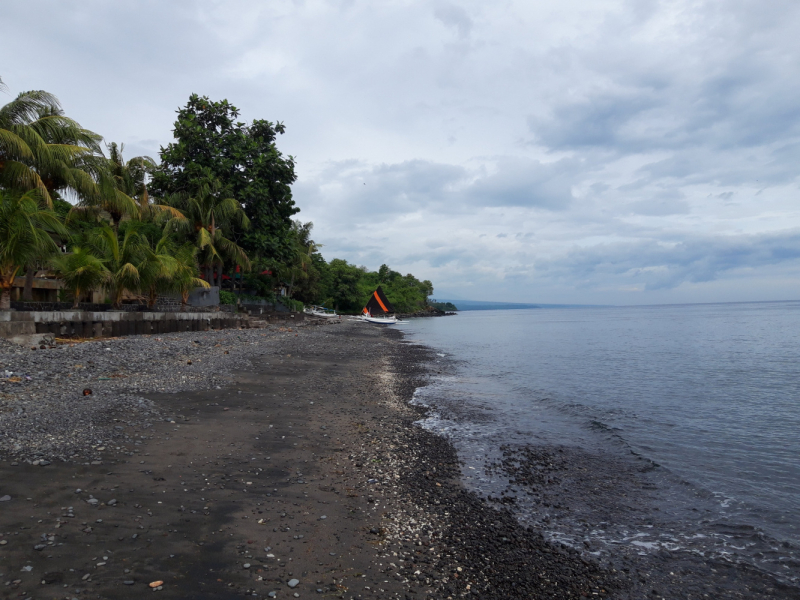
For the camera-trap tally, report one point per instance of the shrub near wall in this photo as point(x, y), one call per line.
point(226, 297)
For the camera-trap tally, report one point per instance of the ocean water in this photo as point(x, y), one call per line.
point(707, 395)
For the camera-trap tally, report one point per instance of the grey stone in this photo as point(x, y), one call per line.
point(111, 502)
point(293, 583)
point(246, 566)
point(128, 582)
point(5, 498)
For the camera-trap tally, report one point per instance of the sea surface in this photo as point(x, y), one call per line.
point(708, 395)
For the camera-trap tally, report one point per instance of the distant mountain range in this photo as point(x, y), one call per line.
point(481, 305)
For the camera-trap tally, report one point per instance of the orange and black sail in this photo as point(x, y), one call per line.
point(378, 304)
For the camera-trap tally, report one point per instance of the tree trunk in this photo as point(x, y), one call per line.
point(184, 299)
point(77, 298)
point(220, 266)
point(27, 294)
point(5, 298)
point(209, 274)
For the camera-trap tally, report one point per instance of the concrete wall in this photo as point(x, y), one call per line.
point(265, 312)
point(36, 327)
point(204, 296)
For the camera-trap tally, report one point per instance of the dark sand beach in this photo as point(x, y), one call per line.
point(290, 467)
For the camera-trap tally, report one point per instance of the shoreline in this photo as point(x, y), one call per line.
point(363, 504)
point(293, 453)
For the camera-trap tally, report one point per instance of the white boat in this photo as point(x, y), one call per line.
point(321, 311)
point(380, 320)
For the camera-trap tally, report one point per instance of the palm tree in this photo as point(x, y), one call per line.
point(122, 256)
point(81, 272)
point(157, 268)
point(207, 215)
point(186, 275)
point(42, 149)
point(24, 238)
point(131, 179)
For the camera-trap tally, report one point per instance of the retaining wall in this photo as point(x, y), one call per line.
point(266, 313)
point(37, 327)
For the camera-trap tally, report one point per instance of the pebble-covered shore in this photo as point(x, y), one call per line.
point(73, 400)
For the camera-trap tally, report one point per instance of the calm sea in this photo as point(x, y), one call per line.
point(708, 393)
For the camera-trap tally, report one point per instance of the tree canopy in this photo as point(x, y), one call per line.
point(212, 145)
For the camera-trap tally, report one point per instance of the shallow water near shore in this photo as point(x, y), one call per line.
point(671, 427)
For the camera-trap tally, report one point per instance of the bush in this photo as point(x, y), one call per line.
point(293, 305)
point(260, 298)
point(226, 297)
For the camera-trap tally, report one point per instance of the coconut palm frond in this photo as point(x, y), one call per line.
point(232, 250)
point(11, 144)
point(17, 175)
point(27, 106)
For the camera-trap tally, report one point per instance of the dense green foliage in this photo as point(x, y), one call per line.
point(219, 202)
point(226, 297)
point(347, 288)
point(212, 145)
point(24, 235)
point(445, 306)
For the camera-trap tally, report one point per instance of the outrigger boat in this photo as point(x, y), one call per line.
point(378, 304)
point(380, 320)
point(321, 311)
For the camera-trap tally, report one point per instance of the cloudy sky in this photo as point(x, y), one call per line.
point(560, 151)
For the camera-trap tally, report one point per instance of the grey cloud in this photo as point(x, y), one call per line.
point(657, 265)
point(595, 121)
point(412, 185)
point(525, 182)
point(454, 16)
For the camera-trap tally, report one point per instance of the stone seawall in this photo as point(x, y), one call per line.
point(38, 327)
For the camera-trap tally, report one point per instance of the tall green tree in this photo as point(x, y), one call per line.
point(211, 144)
point(300, 271)
point(208, 217)
point(341, 285)
point(24, 237)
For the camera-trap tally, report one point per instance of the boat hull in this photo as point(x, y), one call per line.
point(379, 321)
